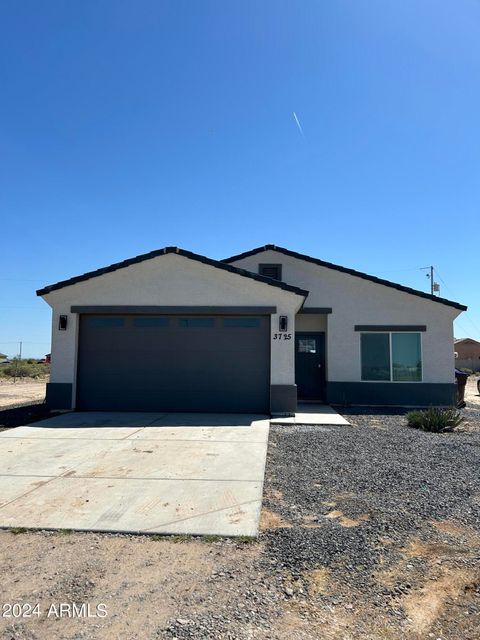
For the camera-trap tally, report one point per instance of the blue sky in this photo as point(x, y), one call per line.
point(127, 126)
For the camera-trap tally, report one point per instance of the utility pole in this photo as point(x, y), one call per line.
point(16, 363)
point(434, 286)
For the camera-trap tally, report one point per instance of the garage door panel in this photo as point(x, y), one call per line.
point(175, 379)
point(172, 363)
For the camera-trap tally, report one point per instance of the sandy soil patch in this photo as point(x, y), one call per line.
point(143, 582)
point(21, 391)
point(271, 520)
point(345, 521)
point(471, 390)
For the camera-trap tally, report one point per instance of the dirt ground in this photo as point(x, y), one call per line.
point(176, 588)
point(471, 390)
point(144, 582)
point(22, 391)
point(368, 532)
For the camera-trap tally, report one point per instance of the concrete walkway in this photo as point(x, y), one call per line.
point(314, 414)
point(135, 472)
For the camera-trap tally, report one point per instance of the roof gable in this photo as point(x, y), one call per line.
point(352, 272)
point(166, 250)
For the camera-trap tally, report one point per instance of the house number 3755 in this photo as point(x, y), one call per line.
point(282, 336)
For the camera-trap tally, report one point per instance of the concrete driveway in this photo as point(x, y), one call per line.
point(135, 472)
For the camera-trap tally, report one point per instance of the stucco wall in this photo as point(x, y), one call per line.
point(469, 350)
point(468, 363)
point(358, 301)
point(170, 280)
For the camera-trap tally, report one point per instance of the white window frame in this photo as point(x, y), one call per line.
point(391, 359)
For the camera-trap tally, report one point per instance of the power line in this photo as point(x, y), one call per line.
point(466, 316)
point(399, 270)
point(22, 280)
point(24, 342)
point(27, 308)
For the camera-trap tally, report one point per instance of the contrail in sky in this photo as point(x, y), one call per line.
point(298, 124)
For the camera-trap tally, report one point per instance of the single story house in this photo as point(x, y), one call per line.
point(467, 354)
point(172, 330)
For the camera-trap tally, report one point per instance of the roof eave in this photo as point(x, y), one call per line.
point(352, 272)
point(166, 250)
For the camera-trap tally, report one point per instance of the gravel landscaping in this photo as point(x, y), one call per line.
point(369, 531)
point(385, 515)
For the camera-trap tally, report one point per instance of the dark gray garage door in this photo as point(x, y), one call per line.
point(174, 363)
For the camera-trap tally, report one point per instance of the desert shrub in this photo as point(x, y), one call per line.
point(435, 419)
point(24, 369)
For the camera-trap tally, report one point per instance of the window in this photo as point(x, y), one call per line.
point(241, 322)
point(151, 322)
point(196, 322)
point(307, 345)
point(391, 357)
point(406, 357)
point(375, 356)
point(270, 271)
point(106, 322)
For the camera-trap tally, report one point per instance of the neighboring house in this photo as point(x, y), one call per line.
point(175, 331)
point(3, 357)
point(467, 354)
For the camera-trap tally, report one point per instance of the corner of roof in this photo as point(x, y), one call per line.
point(168, 250)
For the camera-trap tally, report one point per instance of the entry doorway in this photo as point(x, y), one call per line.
point(310, 365)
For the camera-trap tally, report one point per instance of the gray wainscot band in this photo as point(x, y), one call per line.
point(406, 394)
point(283, 399)
point(59, 395)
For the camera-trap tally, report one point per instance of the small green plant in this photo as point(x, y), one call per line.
point(182, 537)
point(211, 538)
point(64, 532)
point(17, 530)
point(435, 420)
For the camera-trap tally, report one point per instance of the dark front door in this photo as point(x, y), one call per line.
point(310, 365)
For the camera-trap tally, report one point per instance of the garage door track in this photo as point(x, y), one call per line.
point(135, 473)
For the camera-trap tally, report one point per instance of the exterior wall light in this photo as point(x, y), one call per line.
point(62, 323)
point(283, 323)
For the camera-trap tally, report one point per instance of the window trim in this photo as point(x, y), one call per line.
point(250, 322)
point(150, 322)
point(110, 322)
point(198, 322)
point(277, 265)
point(391, 359)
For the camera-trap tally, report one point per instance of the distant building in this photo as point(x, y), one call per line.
point(3, 357)
point(467, 354)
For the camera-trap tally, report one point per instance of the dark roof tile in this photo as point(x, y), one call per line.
point(352, 272)
point(159, 252)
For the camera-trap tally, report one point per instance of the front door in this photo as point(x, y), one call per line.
point(310, 365)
